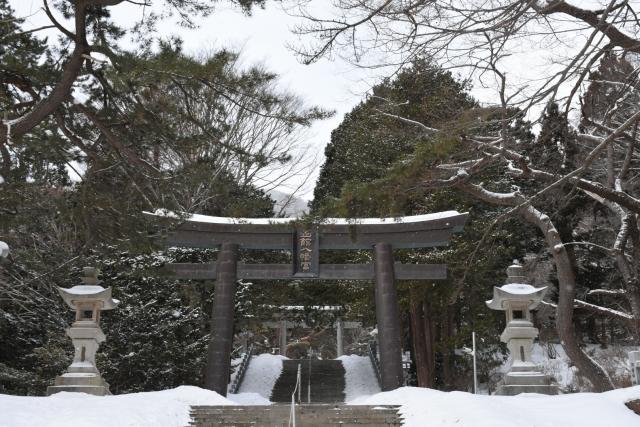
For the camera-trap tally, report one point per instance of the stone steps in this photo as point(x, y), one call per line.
point(313, 415)
point(327, 381)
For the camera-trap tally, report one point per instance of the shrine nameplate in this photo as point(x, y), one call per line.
point(306, 252)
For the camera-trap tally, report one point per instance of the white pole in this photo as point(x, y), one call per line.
point(292, 413)
point(299, 382)
point(292, 416)
point(309, 383)
point(475, 374)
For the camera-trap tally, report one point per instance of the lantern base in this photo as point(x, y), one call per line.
point(513, 390)
point(80, 383)
point(526, 382)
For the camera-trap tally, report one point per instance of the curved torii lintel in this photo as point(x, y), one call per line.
point(416, 231)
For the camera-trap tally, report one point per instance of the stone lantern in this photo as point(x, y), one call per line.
point(88, 300)
point(517, 298)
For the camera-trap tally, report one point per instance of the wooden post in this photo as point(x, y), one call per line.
point(388, 318)
point(220, 345)
point(283, 337)
point(244, 342)
point(339, 338)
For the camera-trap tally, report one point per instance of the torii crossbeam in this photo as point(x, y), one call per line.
point(305, 241)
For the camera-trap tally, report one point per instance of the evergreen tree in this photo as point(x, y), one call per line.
point(367, 142)
point(555, 147)
point(374, 165)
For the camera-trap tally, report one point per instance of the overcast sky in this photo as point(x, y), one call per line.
point(264, 37)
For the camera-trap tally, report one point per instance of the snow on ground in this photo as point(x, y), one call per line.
point(167, 408)
point(359, 378)
point(614, 359)
point(424, 407)
point(420, 407)
point(560, 368)
point(243, 398)
point(262, 374)
point(248, 399)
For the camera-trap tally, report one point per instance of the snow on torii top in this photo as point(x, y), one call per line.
point(335, 221)
point(410, 232)
point(516, 290)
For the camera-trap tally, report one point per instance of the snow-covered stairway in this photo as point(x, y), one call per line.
point(327, 381)
point(306, 416)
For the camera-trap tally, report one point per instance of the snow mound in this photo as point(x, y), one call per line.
point(167, 408)
point(262, 374)
point(359, 378)
point(424, 407)
point(420, 407)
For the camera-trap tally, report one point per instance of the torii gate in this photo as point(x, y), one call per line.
point(306, 240)
point(283, 325)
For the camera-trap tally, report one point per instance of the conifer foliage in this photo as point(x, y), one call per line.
point(94, 134)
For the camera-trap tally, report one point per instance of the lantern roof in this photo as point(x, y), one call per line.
point(89, 291)
point(516, 289)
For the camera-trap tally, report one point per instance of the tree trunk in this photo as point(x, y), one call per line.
point(633, 294)
point(419, 344)
point(566, 295)
point(447, 331)
point(633, 285)
point(430, 340)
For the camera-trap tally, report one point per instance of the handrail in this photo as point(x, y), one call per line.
point(292, 413)
point(242, 369)
point(235, 350)
point(373, 357)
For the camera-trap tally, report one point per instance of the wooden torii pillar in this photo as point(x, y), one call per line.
point(305, 241)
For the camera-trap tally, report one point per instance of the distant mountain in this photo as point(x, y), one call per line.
point(290, 206)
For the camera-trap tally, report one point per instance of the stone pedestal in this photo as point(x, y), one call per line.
point(85, 333)
point(80, 383)
point(526, 382)
point(524, 375)
point(82, 375)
